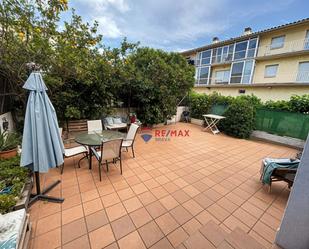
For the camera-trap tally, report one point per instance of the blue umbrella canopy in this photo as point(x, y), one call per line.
point(42, 146)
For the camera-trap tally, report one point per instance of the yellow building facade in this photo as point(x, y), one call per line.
point(272, 64)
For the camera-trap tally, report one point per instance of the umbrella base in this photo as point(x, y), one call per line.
point(45, 198)
point(41, 195)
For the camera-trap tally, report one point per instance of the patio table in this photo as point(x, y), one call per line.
point(211, 121)
point(95, 139)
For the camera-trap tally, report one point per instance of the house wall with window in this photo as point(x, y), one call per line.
point(287, 70)
point(293, 39)
point(273, 64)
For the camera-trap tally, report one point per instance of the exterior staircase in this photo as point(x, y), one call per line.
point(211, 236)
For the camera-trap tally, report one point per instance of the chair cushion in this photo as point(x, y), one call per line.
point(126, 143)
point(108, 121)
point(116, 126)
point(75, 151)
point(117, 121)
point(108, 155)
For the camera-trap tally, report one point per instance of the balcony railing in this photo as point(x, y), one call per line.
point(302, 77)
point(288, 47)
point(299, 77)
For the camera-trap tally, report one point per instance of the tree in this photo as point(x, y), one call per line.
point(159, 80)
point(84, 78)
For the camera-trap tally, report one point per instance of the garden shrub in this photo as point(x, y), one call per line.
point(296, 103)
point(199, 105)
point(280, 105)
point(11, 175)
point(300, 103)
point(240, 118)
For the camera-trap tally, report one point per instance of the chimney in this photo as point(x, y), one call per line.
point(247, 31)
point(215, 39)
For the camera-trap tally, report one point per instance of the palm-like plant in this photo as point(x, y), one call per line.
point(9, 140)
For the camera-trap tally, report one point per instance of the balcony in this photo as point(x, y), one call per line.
point(301, 77)
point(296, 46)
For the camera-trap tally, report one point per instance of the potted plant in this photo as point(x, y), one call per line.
point(8, 144)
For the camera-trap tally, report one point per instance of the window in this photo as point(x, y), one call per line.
point(252, 48)
point(242, 72)
point(202, 75)
point(230, 54)
point(246, 78)
point(277, 42)
point(205, 57)
point(240, 50)
point(306, 43)
point(236, 74)
point(214, 55)
point(225, 51)
point(271, 71)
point(222, 76)
point(303, 72)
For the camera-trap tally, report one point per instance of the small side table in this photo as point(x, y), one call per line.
point(211, 121)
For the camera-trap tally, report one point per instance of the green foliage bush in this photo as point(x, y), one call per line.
point(9, 140)
point(241, 110)
point(158, 81)
point(240, 118)
point(199, 105)
point(6, 203)
point(300, 103)
point(295, 104)
point(11, 175)
point(84, 77)
point(203, 103)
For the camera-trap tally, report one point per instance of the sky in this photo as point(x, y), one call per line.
point(178, 25)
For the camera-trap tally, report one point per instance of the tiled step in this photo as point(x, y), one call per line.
point(241, 240)
point(211, 236)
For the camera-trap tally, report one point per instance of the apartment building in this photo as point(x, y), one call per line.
point(273, 64)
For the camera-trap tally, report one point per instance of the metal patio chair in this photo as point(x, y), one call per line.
point(74, 151)
point(128, 142)
point(110, 152)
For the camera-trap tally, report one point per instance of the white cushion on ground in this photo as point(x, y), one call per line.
point(75, 151)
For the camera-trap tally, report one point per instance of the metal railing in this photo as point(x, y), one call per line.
point(298, 77)
point(287, 47)
point(302, 76)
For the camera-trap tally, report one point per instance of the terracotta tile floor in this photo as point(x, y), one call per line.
point(165, 194)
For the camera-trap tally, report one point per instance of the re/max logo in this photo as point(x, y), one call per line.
point(172, 133)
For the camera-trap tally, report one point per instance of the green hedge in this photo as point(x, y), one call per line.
point(245, 106)
point(299, 104)
point(201, 103)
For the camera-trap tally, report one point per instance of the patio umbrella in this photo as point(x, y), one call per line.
point(42, 146)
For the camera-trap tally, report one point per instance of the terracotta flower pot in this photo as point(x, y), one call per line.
point(8, 153)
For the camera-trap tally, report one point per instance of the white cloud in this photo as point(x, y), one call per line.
point(121, 5)
point(108, 27)
point(171, 24)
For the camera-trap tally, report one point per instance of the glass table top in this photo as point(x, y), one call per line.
point(95, 138)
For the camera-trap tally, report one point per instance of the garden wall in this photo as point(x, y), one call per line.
point(282, 123)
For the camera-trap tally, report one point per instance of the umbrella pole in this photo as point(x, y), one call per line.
point(41, 195)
